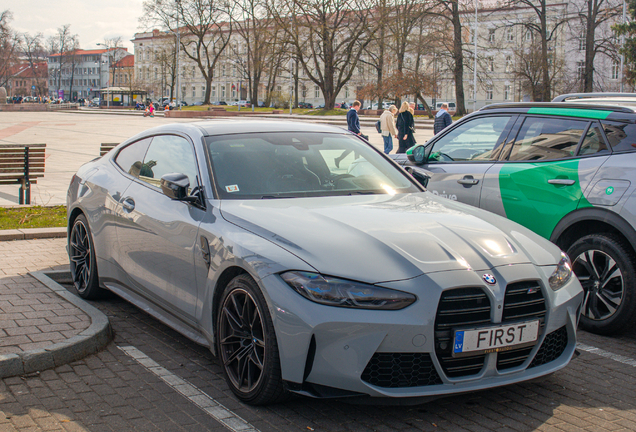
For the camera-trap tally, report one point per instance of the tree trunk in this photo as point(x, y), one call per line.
point(545, 66)
point(590, 29)
point(458, 56)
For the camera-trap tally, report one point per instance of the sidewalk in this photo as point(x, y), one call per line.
point(42, 325)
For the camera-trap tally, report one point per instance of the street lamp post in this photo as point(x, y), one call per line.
point(178, 2)
point(475, 64)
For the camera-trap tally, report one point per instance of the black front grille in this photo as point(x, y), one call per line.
point(401, 370)
point(551, 348)
point(523, 302)
point(461, 307)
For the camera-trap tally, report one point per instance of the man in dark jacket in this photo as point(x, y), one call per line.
point(353, 121)
point(353, 124)
point(442, 119)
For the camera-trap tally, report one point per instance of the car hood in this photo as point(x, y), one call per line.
point(383, 238)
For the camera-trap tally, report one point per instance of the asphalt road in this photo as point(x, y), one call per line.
point(152, 378)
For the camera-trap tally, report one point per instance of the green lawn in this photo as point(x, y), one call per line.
point(32, 217)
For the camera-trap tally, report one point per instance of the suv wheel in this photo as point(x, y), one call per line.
point(605, 267)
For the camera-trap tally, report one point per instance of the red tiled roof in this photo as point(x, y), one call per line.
point(128, 61)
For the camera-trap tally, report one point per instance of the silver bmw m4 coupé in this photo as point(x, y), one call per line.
point(311, 263)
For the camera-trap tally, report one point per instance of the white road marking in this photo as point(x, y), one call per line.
point(214, 409)
point(616, 357)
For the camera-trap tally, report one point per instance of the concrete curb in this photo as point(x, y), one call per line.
point(32, 233)
point(89, 341)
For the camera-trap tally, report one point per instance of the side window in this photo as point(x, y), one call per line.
point(132, 156)
point(168, 154)
point(593, 142)
point(477, 140)
point(547, 139)
point(621, 136)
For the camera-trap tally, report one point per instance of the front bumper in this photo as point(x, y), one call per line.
point(333, 347)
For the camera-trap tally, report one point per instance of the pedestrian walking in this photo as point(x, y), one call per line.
point(387, 124)
point(406, 128)
point(442, 119)
point(353, 125)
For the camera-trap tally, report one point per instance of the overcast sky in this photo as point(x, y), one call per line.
point(91, 20)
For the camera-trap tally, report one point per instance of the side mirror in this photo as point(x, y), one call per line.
point(419, 155)
point(175, 186)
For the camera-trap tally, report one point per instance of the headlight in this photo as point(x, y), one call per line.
point(344, 293)
point(562, 273)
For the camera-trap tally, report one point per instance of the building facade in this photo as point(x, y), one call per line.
point(82, 73)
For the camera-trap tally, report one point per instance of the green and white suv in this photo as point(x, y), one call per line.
point(565, 170)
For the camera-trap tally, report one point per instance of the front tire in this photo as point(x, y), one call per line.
point(247, 344)
point(604, 265)
point(81, 253)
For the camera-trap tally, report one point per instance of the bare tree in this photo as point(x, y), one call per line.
point(451, 11)
point(328, 37)
point(9, 47)
point(204, 27)
point(71, 59)
point(593, 16)
point(255, 28)
point(65, 42)
point(544, 25)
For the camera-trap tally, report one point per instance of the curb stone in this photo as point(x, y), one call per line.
point(89, 341)
point(32, 233)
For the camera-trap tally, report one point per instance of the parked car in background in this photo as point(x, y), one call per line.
point(256, 244)
point(452, 108)
point(305, 105)
point(567, 171)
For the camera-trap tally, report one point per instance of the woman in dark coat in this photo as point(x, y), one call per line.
point(405, 127)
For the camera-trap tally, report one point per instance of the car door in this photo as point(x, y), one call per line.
point(549, 166)
point(157, 235)
point(457, 161)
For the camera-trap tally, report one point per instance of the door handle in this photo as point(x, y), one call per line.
point(128, 204)
point(565, 182)
point(468, 181)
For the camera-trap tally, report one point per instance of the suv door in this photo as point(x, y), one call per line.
point(457, 161)
point(550, 164)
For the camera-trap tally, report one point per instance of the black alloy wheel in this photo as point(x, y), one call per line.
point(82, 260)
point(247, 344)
point(605, 268)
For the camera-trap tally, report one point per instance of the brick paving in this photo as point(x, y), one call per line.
point(110, 391)
point(31, 315)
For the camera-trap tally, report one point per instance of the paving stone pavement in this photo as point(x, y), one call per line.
point(31, 315)
point(110, 391)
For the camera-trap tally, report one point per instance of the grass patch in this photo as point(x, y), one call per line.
point(32, 217)
point(323, 112)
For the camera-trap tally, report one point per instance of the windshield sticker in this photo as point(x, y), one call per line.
point(232, 188)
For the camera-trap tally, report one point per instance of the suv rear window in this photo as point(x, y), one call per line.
point(621, 136)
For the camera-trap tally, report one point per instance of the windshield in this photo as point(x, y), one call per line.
point(300, 164)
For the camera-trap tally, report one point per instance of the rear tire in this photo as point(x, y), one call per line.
point(81, 253)
point(247, 345)
point(604, 265)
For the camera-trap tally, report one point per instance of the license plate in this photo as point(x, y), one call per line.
point(495, 339)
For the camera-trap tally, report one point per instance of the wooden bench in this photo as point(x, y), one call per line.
point(22, 164)
point(106, 147)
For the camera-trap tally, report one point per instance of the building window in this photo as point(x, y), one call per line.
point(316, 92)
point(223, 92)
point(580, 69)
point(489, 93)
point(203, 91)
point(616, 68)
point(213, 91)
point(194, 91)
point(510, 34)
point(528, 35)
point(491, 35)
point(506, 92)
point(508, 63)
point(346, 92)
point(582, 42)
point(491, 64)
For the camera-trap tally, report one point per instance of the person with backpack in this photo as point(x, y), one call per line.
point(387, 128)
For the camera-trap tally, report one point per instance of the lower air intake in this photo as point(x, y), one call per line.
point(394, 370)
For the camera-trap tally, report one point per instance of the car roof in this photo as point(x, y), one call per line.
point(253, 126)
point(567, 109)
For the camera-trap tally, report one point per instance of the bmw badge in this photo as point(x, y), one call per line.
point(490, 279)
